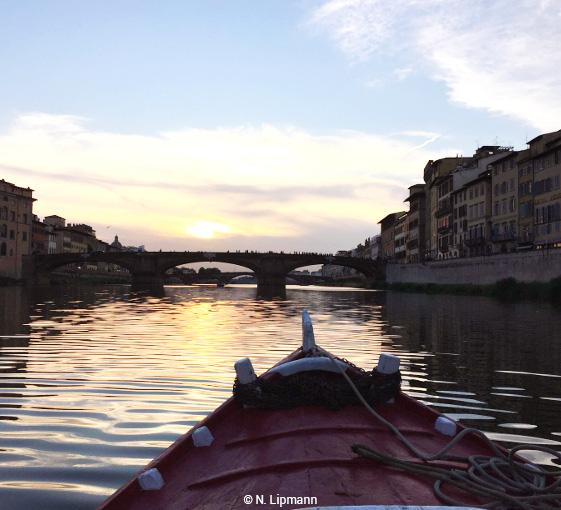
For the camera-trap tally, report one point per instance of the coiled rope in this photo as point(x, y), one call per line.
point(506, 481)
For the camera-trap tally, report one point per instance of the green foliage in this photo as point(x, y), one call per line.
point(208, 271)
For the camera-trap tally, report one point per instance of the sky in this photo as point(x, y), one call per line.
point(261, 125)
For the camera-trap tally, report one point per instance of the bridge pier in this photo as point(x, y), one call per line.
point(271, 285)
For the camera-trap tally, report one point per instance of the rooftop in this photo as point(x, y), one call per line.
point(392, 216)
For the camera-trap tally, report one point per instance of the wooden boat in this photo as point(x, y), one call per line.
point(243, 457)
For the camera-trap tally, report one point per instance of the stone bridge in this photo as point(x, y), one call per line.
point(149, 268)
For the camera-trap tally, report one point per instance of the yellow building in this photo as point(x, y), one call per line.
point(545, 154)
point(16, 215)
point(478, 205)
point(504, 185)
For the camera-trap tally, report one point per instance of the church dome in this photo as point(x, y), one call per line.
point(116, 244)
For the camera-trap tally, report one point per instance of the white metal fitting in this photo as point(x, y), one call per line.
point(151, 480)
point(244, 371)
point(202, 437)
point(387, 364)
point(445, 426)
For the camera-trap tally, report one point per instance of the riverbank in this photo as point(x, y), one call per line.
point(541, 266)
point(508, 289)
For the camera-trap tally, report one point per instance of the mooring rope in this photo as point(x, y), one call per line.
point(508, 482)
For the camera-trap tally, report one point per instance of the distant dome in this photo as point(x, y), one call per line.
point(116, 244)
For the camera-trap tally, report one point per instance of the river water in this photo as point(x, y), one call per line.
point(97, 381)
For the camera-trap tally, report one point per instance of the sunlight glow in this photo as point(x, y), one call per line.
point(208, 229)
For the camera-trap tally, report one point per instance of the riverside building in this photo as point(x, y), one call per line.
point(525, 201)
point(16, 216)
point(438, 189)
point(478, 205)
point(387, 225)
point(414, 249)
point(545, 154)
point(497, 201)
point(504, 185)
point(401, 228)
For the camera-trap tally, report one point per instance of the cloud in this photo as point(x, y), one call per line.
point(281, 193)
point(359, 27)
point(501, 56)
point(265, 184)
point(402, 73)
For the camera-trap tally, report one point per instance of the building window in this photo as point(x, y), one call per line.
point(25, 218)
point(12, 234)
point(3, 231)
point(24, 236)
point(13, 215)
point(3, 249)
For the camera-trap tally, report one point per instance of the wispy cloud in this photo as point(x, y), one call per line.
point(402, 73)
point(502, 56)
point(280, 193)
point(261, 182)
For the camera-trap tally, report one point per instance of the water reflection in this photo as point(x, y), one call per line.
point(96, 381)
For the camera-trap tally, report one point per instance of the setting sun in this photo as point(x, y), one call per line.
point(207, 229)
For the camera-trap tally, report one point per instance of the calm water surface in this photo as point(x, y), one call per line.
point(96, 381)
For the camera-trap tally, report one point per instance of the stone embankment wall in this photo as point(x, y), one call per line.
point(534, 266)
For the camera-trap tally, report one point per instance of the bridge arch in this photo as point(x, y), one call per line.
point(366, 267)
point(231, 278)
point(171, 260)
point(49, 263)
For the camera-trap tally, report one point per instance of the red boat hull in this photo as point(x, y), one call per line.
point(301, 453)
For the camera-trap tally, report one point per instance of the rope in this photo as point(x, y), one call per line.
point(509, 483)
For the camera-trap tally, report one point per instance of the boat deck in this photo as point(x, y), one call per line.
point(300, 452)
